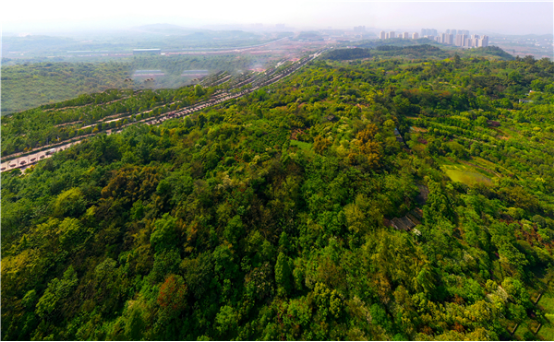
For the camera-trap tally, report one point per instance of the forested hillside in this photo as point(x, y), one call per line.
point(384, 199)
point(425, 48)
point(346, 54)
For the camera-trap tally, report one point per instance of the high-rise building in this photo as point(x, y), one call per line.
point(467, 41)
point(392, 34)
point(415, 35)
point(438, 39)
point(430, 37)
point(387, 35)
point(382, 35)
point(484, 41)
point(475, 40)
point(405, 35)
point(461, 39)
point(428, 32)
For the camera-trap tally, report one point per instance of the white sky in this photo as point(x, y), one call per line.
point(43, 16)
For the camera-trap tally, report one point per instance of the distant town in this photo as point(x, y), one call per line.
point(460, 38)
point(253, 40)
point(539, 46)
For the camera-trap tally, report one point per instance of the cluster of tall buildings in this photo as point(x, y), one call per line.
point(475, 40)
point(403, 35)
point(459, 38)
point(428, 32)
point(455, 32)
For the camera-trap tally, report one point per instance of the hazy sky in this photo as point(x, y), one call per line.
point(43, 16)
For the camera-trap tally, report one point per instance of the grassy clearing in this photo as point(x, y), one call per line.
point(521, 330)
point(302, 145)
point(547, 330)
point(547, 302)
point(465, 174)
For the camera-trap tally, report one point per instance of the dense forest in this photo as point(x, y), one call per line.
point(347, 54)
point(384, 199)
point(30, 85)
point(400, 42)
point(425, 48)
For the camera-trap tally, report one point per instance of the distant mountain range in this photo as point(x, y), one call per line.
point(164, 29)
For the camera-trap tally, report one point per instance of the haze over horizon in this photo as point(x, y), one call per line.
point(61, 17)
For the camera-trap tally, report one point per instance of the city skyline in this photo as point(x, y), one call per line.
point(460, 38)
point(498, 17)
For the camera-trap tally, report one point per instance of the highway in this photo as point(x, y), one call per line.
point(22, 162)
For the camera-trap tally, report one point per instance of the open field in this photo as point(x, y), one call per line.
point(302, 145)
point(465, 174)
point(547, 330)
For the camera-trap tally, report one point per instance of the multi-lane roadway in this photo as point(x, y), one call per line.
point(22, 162)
